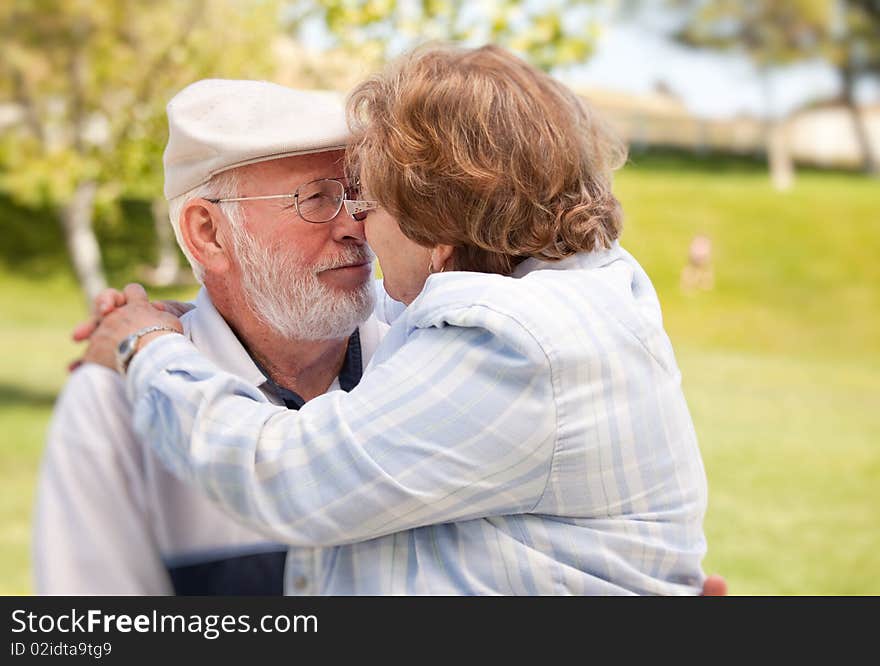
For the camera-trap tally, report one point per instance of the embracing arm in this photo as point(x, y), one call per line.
point(457, 424)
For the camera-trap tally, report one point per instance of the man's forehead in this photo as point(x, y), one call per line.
point(298, 168)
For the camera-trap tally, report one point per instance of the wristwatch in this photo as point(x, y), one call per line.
point(126, 349)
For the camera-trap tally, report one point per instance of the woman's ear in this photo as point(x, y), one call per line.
point(200, 233)
point(440, 258)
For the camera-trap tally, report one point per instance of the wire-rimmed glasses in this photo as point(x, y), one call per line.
point(319, 201)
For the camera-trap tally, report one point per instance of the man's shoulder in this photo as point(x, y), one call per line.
point(91, 411)
point(92, 381)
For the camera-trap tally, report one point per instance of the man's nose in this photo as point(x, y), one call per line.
point(347, 229)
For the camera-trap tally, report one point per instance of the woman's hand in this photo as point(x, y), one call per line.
point(110, 299)
point(105, 303)
point(122, 321)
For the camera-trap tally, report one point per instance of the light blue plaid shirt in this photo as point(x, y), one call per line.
point(511, 435)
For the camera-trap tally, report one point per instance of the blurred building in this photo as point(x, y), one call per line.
point(825, 135)
point(660, 118)
point(822, 134)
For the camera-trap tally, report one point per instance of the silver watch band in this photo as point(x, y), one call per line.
point(135, 337)
point(152, 329)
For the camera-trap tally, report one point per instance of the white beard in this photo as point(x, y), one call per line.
point(289, 298)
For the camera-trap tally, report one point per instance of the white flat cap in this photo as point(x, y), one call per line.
point(218, 124)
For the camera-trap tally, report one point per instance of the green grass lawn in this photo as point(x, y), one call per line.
point(780, 363)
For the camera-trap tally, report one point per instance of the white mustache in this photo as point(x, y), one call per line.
point(287, 294)
point(351, 257)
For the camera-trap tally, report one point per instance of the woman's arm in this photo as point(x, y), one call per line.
point(457, 424)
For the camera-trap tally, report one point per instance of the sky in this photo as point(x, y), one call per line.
point(635, 59)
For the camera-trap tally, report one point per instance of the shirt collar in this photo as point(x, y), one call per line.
point(348, 378)
point(215, 340)
point(581, 260)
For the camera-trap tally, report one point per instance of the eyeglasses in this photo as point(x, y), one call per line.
point(320, 200)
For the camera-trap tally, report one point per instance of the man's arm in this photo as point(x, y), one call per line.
point(91, 531)
point(714, 586)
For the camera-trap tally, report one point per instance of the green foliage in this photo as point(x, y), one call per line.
point(32, 244)
point(550, 34)
point(771, 32)
point(854, 39)
point(92, 80)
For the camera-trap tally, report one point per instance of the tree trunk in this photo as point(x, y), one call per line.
point(779, 156)
point(776, 140)
point(82, 246)
point(167, 269)
point(870, 163)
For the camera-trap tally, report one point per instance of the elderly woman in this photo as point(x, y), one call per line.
point(521, 429)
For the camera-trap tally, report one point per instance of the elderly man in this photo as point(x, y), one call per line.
point(254, 179)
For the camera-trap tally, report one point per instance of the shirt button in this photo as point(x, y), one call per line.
point(300, 583)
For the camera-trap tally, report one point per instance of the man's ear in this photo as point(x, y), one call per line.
point(200, 222)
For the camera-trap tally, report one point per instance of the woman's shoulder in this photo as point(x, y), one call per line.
point(559, 306)
point(540, 292)
point(464, 298)
point(531, 313)
point(493, 304)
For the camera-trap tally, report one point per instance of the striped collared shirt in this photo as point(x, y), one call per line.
point(511, 435)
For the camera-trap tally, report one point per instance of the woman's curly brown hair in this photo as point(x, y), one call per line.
point(476, 149)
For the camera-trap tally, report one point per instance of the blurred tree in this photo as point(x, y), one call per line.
point(550, 34)
point(780, 32)
point(91, 80)
point(852, 44)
